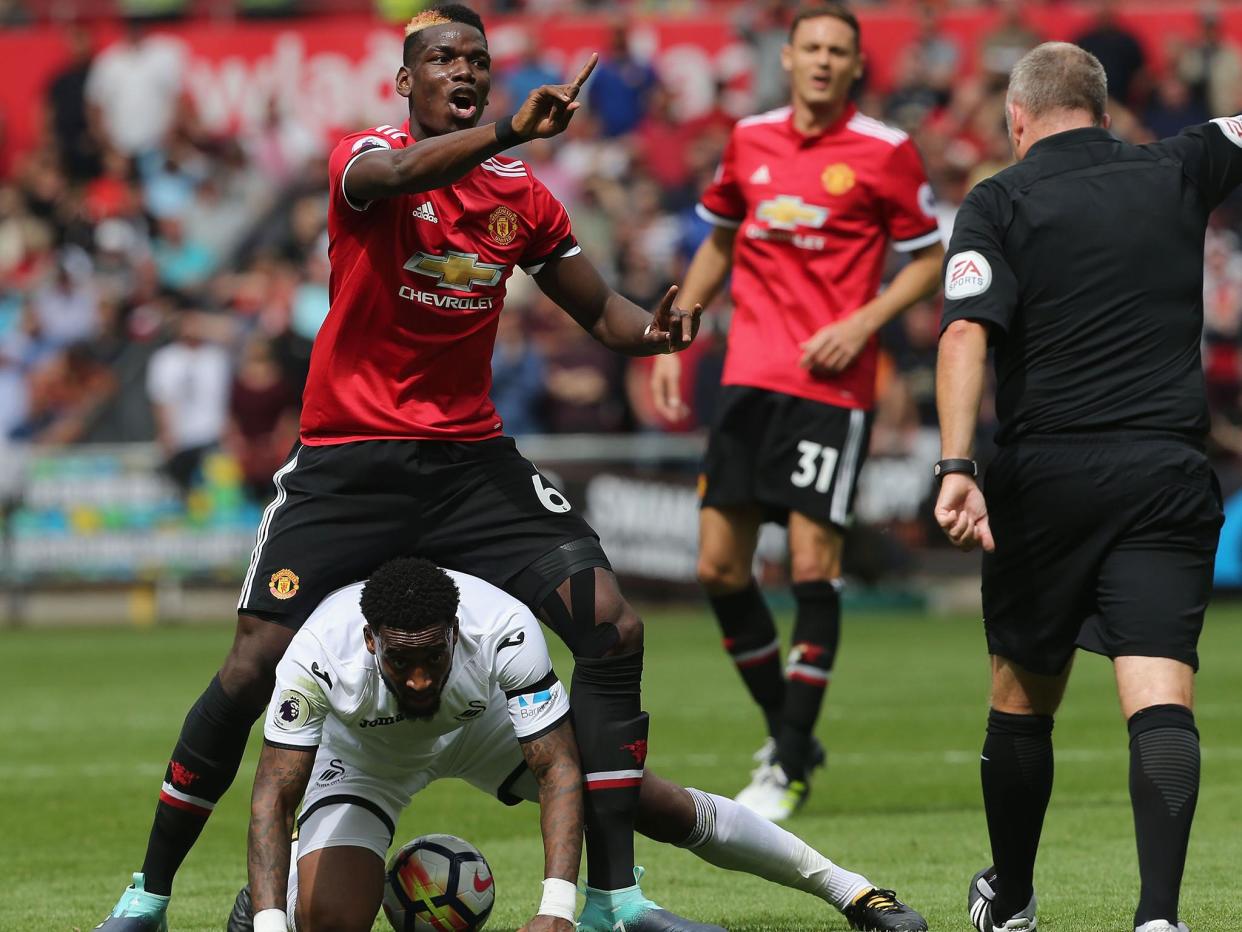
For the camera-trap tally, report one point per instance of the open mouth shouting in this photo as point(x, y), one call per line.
point(463, 102)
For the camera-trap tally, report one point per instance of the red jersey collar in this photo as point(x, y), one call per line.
point(833, 127)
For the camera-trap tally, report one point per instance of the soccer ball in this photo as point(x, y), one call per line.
point(438, 883)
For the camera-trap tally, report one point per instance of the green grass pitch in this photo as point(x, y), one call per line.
point(90, 715)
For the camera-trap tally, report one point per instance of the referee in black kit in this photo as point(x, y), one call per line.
point(1082, 265)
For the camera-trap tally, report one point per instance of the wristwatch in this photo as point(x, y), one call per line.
point(945, 467)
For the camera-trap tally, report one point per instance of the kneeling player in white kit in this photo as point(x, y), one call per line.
point(420, 674)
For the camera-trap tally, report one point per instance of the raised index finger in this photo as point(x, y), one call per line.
point(585, 72)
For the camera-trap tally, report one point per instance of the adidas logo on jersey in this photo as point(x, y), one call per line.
point(761, 175)
point(426, 212)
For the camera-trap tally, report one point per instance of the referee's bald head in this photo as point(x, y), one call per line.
point(1058, 76)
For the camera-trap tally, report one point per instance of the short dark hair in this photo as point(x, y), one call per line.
point(409, 594)
point(839, 11)
point(438, 15)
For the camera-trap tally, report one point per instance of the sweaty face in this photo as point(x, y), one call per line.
point(414, 674)
point(446, 77)
point(823, 60)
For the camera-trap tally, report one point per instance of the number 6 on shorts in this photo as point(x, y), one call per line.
point(549, 497)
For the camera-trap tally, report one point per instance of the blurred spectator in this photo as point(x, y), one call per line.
point(136, 84)
point(937, 52)
point(517, 374)
point(1172, 108)
point(182, 263)
point(14, 404)
point(1118, 50)
point(1005, 44)
point(65, 395)
point(620, 90)
point(281, 146)
point(1212, 67)
point(765, 27)
point(661, 142)
point(262, 418)
point(72, 123)
point(66, 305)
point(1222, 318)
point(188, 383)
point(14, 13)
point(584, 380)
point(528, 71)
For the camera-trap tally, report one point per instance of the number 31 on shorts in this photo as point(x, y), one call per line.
point(816, 464)
point(549, 497)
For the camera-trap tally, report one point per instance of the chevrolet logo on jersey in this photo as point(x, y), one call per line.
point(460, 271)
point(785, 212)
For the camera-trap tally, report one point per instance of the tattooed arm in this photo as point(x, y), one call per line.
point(553, 759)
point(278, 787)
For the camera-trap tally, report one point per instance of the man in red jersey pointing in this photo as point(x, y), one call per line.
point(402, 451)
point(805, 204)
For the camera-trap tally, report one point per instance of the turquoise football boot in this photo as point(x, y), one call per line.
point(627, 910)
point(138, 911)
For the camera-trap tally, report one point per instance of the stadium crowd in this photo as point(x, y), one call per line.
point(159, 282)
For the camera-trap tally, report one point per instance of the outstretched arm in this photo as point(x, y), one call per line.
point(440, 160)
point(279, 783)
point(553, 759)
point(618, 323)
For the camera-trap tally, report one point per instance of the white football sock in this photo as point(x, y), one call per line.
point(731, 836)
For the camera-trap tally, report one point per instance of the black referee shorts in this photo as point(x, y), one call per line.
point(784, 453)
point(343, 509)
point(1102, 542)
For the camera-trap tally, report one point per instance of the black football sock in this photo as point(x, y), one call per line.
point(1164, 789)
point(1016, 768)
point(750, 638)
point(203, 765)
point(817, 634)
point(611, 729)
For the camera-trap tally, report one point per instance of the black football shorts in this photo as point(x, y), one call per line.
point(785, 454)
point(343, 509)
point(1104, 542)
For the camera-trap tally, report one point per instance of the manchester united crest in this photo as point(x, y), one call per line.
point(837, 178)
point(502, 225)
point(283, 584)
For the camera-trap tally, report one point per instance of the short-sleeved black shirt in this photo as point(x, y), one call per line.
point(1086, 261)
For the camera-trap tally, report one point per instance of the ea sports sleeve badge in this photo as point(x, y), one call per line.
point(966, 275)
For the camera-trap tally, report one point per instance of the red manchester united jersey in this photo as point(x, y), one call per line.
point(417, 286)
point(815, 216)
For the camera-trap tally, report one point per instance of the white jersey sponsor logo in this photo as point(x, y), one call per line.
point(425, 211)
point(443, 300)
point(967, 274)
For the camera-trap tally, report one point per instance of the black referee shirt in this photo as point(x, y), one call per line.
point(1085, 260)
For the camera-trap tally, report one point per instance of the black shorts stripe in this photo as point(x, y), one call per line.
point(349, 800)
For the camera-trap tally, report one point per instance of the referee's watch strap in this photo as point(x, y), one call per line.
point(945, 467)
